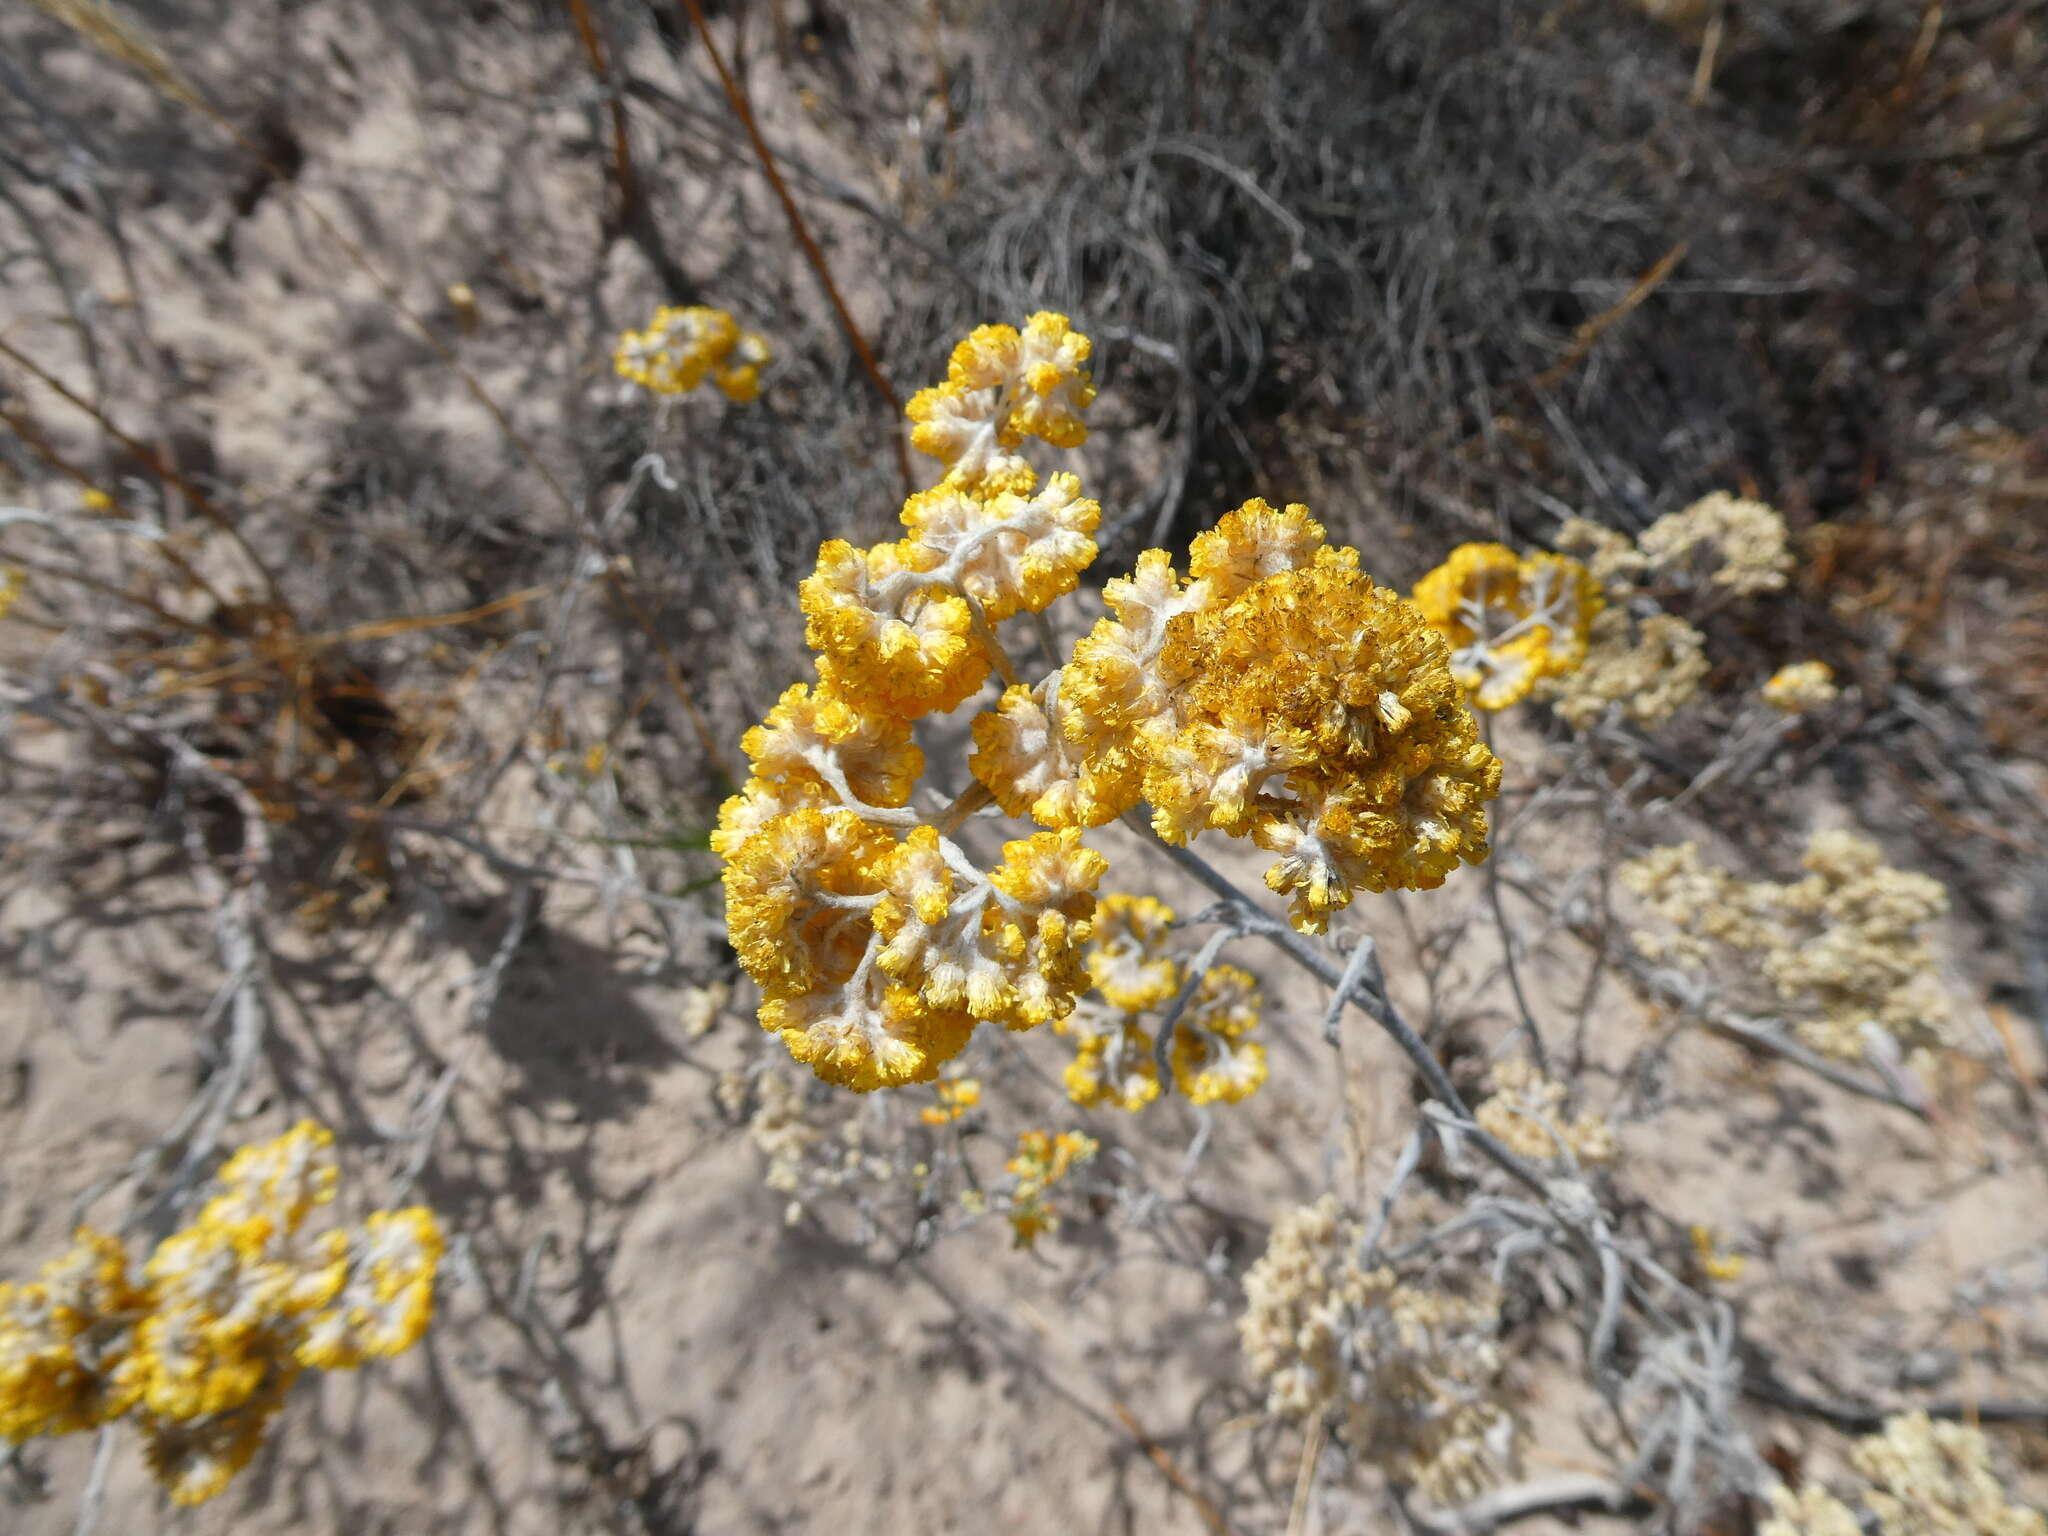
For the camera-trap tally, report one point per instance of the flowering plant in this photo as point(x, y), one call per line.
point(1274, 692)
point(200, 1345)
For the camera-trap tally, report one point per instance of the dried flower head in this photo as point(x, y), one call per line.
point(1650, 667)
point(1526, 1114)
point(1511, 620)
point(1611, 556)
point(1916, 1477)
point(1843, 954)
point(1408, 1379)
point(1746, 540)
point(201, 1346)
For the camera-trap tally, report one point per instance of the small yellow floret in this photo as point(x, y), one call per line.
point(1802, 687)
point(1715, 1265)
point(957, 1095)
point(1041, 1162)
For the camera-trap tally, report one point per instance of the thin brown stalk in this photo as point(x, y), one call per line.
point(1212, 1517)
point(635, 214)
point(623, 175)
point(1591, 332)
point(107, 589)
point(42, 448)
point(742, 110)
point(122, 41)
point(157, 464)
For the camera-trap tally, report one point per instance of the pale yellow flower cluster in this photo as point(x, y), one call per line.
point(1041, 1162)
point(1650, 664)
point(1408, 1379)
point(1651, 667)
point(777, 1126)
point(1920, 1477)
point(200, 1347)
point(1802, 687)
point(1745, 540)
point(1273, 692)
point(1511, 620)
point(812, 1149)
point(683, 346)
point(1841, 954)
point(13, 582)
point(1525, 1113)
point(1134, 973)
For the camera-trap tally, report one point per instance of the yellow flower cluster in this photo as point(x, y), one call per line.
point(1041, 1162)
point(13, 582)
point(1920, 1477)
point(1274, 692)
point(1407, 1378)
point(1842, 953)
point(957, 1095)
point(877, 942)
point(1132, 974)
point(1511, 620)
point(1525, 1113)
point(682, 346)
point(1802, 687)
point(1652, 667)
point(1002, 386)
point(201, 1346)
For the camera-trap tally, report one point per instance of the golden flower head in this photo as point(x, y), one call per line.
point(1042, 1161)
point(682, 346)
point(65, 1339)
point(1136, 977)
point(887, 637)
point(1277, 693)
point(1001, 387)
point(957, 1095)
point(1213, 1062)
point(1011, 551)
point(1128, 961)
point(1511, 621)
